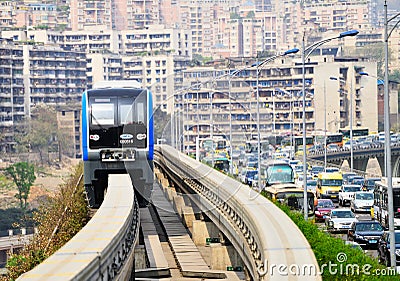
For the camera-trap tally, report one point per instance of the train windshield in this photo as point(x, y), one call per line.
point(103, 113)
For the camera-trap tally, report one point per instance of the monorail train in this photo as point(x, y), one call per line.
point(117, 137)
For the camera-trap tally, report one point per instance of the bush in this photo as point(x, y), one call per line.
point(332, 250)
point(55, 226)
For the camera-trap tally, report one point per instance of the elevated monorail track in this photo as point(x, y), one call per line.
point(260, 232)
point(104, 248)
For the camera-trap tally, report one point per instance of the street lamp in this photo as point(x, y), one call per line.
point(259, 66)
point(305, 53)
point(350, 120)
point(291, 104)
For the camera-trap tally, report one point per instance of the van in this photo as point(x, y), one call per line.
point(329, 184)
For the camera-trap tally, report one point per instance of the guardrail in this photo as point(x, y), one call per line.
point(104, 248)
point(261, 233)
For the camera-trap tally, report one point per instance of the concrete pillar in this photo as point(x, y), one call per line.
point(171, 193)
point(381, 161)
point(10, 232)
point(158, 175)
point(140, 257)
point(164, 182)
point(178, 204)
point(23, 231)
point(360, 164)
point(202, 230)
point(188, 216)
point(223, 257)
point(395, 165)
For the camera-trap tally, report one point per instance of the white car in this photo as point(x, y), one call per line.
point(339, 220)
point(346, 193)
point(362, 201)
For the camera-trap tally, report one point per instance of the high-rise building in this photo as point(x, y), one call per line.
point(113, 14)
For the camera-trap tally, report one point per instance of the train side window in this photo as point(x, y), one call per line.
point(102, 114)
point(126, 113)
point(140, 113)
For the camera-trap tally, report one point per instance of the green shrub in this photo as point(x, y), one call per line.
point(330, 250)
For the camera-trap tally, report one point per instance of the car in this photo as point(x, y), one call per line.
point(312, 186)
point(384, 248)
point(323, 207)
point(358, 181)
point(347, 145)
point(249, 177)
point(348, 175)
point(362, 201)
point(354, 179)
point(300, 179)
point(315, 170)
point(333, 147)
point(339, 220)
point(366, 233)
point(332, 170)
point(369, 184)
point(346, 193)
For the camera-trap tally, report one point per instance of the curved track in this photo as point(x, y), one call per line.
point(103, 249)
point(261, 233)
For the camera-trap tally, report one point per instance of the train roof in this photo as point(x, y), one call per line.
point(117, 84)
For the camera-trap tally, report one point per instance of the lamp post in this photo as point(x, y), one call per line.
point(325, 148)
point(350, 120)
point(259, 66)
point(387, 138)
point(306, 52)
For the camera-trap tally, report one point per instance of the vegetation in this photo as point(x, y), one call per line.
point(41, 135)
point(15, 218)
point(161, 120)
point(328, 248)
point(23, 175)
point(58, 220)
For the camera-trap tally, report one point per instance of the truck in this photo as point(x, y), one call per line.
point(329, 185)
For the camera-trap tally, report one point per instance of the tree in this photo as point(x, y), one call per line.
point(23, 175)
point(40, 131)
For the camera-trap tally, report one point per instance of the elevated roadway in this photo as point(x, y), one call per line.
point(361, 157)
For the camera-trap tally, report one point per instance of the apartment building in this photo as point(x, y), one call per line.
point(152, 55)
point(280, 104)
point(69, 119)
point(114, 14)
point(33, 74)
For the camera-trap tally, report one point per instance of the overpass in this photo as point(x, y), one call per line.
point(361, 157)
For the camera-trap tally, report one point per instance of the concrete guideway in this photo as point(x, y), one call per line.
point(261, 233)
point(103, 249)
point(192, 265)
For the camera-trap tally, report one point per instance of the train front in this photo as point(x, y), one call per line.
point(117, 137)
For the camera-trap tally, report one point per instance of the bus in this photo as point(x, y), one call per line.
point(329, 184)
point(220, 163)
point(216, 145)
point(357, 132)
point(331, 138)
point(252, 145)
point(276, 172)
point(291, 195)
point(380, 207)
point(298, 142)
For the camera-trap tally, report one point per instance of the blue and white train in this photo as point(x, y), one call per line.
point(117, 137)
